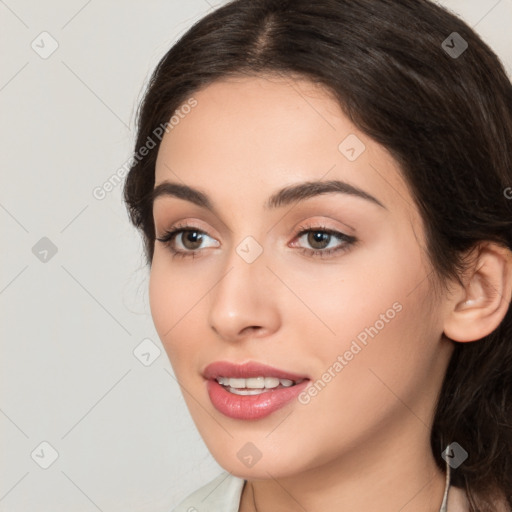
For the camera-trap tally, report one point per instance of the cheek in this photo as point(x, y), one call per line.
point(387, 344)
point(161, 300)
point(376, 314)
point(169, 305)
point(358, 382)
point(178, 302)
point(367, 289)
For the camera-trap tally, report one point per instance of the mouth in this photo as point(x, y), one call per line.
point(251, 390)
point(255, 385)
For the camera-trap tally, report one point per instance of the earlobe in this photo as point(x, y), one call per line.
point(480, 306)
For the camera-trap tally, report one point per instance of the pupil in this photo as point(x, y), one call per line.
point(194, 238)
point(318, 237)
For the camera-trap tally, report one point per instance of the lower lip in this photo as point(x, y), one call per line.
point(251, 407)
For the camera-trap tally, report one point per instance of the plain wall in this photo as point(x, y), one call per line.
point(73, 286)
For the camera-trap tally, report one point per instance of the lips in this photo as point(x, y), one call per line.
point(251, 390)
point(247, 370)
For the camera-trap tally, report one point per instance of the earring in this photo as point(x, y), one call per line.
point(444, 504)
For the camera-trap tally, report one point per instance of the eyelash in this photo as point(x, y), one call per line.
point(169, 236)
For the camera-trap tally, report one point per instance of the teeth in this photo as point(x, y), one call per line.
point(272, 382)
point(246, 391)
point(237, 383)
point(253, 385)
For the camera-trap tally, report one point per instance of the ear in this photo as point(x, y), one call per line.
point(477, 308)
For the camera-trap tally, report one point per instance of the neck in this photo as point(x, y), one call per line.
point(384, 477)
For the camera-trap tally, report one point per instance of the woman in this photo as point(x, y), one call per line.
point(328, 225)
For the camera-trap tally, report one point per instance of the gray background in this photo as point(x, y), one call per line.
point(71, 319)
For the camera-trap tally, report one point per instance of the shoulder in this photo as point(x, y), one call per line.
point(222, 494)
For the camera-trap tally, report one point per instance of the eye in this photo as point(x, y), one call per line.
point(320, 238)
point(189, 237)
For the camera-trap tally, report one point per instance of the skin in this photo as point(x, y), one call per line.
point(363, 442)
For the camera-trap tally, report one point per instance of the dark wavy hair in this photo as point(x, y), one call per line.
point(446, 119)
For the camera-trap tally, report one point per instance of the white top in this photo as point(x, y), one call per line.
point(223, 494)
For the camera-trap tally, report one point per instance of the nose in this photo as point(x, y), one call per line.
point(243, 303)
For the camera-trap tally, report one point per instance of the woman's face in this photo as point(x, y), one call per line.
point(351, 312)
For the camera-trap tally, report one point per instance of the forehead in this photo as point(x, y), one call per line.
point(259, 133)
point(246, 114)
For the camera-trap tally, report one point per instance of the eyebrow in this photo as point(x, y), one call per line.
point(283, 197)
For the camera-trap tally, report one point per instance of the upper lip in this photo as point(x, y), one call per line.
point(246, 371)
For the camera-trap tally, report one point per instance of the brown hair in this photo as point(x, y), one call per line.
point(445, 117)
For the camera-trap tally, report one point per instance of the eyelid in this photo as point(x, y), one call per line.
point(346, 241)
point(318, 225)
point(326, 222)
point(181, 227)
point(311, 227)
point(184, 224)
